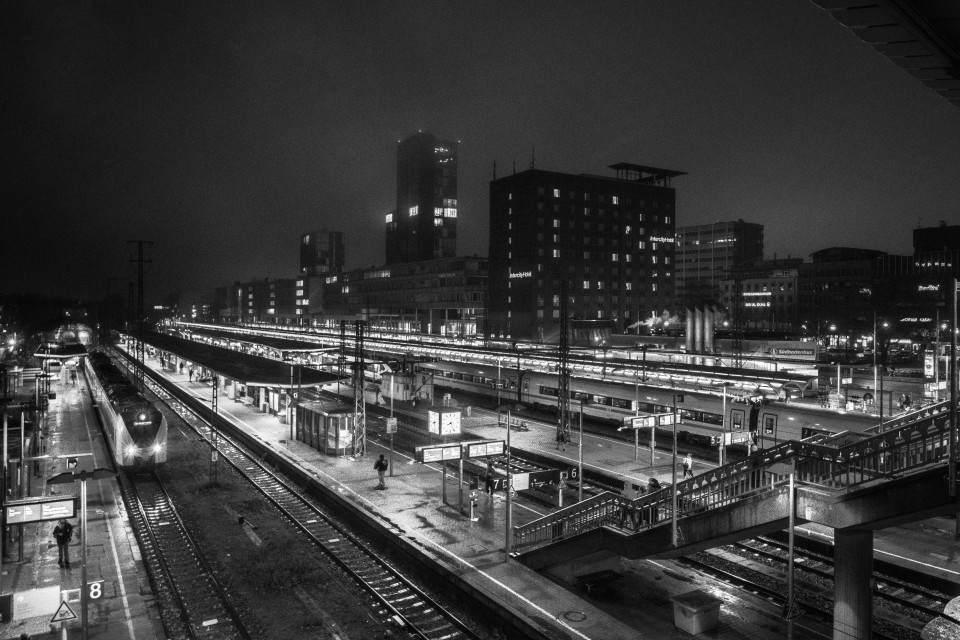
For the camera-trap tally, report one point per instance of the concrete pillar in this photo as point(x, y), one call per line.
point(708, 330)
point(853, 602)
point(689, 334)
point(698, 330)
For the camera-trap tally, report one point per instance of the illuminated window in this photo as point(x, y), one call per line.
point(438, 212)
point(629, 286)
point(627, 229)
point(653, 259)
point(616, 199)
point(299, 292)
point(449, 212)
point(600, 285)
point(556, 193)
point(414, 210)
point(556, 253)
point(628, 257)
point(509, 196)
point(389, 218)
point(653, 287)
point(556, 223)
point(586, 284)
point(615, 257)
point(345, 289)
point(438, 222)
point(666, 260)
point(653, 245)
point(641, 245)
point(666, 219)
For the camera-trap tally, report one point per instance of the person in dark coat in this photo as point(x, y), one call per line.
point(381, 467)
point(62, 533)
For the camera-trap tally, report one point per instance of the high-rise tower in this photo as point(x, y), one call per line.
point(424, 224)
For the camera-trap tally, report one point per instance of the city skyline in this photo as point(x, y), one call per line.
point(224, 133)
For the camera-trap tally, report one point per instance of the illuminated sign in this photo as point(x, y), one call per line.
point(483, 449)
point(662, 239)
point(40, 510)
point(521, 274)
point(928, 287)
point(756, 304)
point(915, 319)
point(756, 293)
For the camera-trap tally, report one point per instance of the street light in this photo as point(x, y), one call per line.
point(69, 477)
point(677, 397)
point(580, 456)
point(885, 324)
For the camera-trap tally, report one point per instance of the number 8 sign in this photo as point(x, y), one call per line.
point(95, 590)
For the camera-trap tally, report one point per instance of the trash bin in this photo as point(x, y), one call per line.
point(696, 611)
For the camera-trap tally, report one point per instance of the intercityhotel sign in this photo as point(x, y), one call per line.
point(662, 239)
point(521, 274)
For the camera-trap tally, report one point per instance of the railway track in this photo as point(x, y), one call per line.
point(194, 605)
point(400, 603)
point(901, 610)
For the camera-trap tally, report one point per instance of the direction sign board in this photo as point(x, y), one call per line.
point(664, 419)
point(638, 422)
point(523, 481)
point(735, 437)
point(485, 448)
point(391, 425)
point(41, 509)
point(438, 453)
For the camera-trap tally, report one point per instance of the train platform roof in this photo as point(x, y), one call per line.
point(280, 344)
point(244, 368)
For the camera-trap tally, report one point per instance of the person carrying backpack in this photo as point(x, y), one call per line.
point(381, 467)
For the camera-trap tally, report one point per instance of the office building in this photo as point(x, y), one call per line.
point(610, 238)
point(321, 252)
point(424, 224)
point(706, 255)
point(439, 297)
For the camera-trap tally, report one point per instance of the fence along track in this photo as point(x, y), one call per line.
point(182, 579)
point(401, 602)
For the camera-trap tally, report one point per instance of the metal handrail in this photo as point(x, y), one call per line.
point(900, 446)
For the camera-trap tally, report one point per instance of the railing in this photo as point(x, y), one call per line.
point(838, 462)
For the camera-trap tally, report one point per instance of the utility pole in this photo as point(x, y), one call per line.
point(140, 262)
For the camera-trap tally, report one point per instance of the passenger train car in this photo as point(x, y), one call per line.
point(700, 412)
point(136, 430)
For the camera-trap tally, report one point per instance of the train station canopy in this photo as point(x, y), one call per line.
point(244, 368)
point(283, 345)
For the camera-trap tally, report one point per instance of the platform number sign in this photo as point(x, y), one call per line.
point(573, 473)
point(95, 590)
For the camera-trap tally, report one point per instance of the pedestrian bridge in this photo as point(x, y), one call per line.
point(853, 482)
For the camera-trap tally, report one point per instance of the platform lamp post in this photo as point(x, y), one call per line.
point(508, 535)
point(879, 389)
point(677, 397)
point(953, 400)
point(69, 477)
point(580, 456)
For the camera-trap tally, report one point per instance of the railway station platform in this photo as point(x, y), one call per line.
point(38, 587)
point(413, 507)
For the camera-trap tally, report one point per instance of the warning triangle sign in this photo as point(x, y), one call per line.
point(64, 613)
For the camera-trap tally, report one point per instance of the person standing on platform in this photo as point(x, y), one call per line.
point(688, 466)
point(62, 533)
point(381, 467)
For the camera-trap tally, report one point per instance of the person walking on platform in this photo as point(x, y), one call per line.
point(190, 373)
point(688, 466)
point(381, 467)
point(62, 534)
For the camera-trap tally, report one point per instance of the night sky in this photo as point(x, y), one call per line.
point(221, 131)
